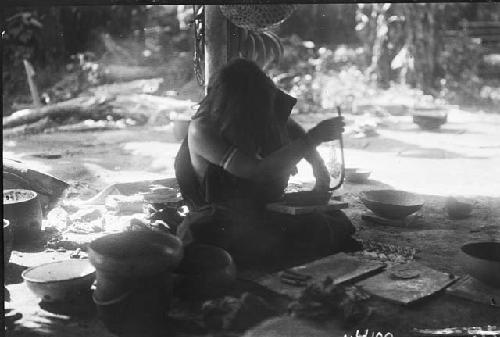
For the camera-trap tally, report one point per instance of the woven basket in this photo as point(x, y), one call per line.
point(257, 17)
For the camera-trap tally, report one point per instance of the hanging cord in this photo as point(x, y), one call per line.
point(199, 42)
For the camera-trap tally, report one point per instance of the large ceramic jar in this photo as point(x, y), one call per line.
point(22, 209)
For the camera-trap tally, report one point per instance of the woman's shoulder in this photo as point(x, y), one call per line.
point(201, 126)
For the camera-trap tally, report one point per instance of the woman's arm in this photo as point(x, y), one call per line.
point(205, 142)
point(320, 171)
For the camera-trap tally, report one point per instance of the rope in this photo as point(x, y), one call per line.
point(199, 42)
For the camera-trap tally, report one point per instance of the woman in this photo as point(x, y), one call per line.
point(239, 153)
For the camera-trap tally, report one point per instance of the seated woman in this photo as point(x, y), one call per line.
point(239, 153)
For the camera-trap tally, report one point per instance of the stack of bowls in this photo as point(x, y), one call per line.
point(134, 278)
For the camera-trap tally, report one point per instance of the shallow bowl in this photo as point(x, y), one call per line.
point(392, 204)
point(61, 281)
point(356, 175)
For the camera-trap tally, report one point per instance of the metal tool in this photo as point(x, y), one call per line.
point(342, 167)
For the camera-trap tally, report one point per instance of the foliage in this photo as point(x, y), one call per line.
point(81, 73)
point(408, 43)
point(296, 73)
point(54, 39)
point(459, 61)
point(22, 40)
point(321, 77)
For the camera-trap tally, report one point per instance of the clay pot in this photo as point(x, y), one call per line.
point(139, 309)
point(207, 271)
point(458, 209)
point(8, 240)
point(22, 209)
point(481, 260)
point(133, 285)
point(135, 254)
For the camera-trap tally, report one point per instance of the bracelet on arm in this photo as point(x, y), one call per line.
point(228, 156)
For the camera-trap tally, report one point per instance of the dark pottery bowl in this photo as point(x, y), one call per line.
point(135, 254)
point(458, 209)
point(208, 271)
point(392, 204)
point(429, 122)
point(481, 260)
point(307, 198)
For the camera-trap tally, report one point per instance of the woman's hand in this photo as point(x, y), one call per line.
point(327, 130)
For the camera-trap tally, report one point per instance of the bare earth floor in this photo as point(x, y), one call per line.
point(462, 159)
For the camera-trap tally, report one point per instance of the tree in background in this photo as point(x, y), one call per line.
point(408, 43)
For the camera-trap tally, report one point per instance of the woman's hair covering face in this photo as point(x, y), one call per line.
point(240, 101)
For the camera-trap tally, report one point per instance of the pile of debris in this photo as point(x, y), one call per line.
point(107, 106)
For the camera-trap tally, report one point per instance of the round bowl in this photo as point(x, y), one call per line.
point(61, 281)
point(135, 254)
point(22, 209)
point(307, 198)
point(208, 271)
point(392, 204)
point(481, 260)
point(356, 175)
point(7, 241)
point(429, 122)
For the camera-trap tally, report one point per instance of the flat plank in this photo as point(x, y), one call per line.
point(282, 207)
point(473, 290)
point(403, 291)
point(340, 268)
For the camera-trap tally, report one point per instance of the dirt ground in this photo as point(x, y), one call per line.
point(461, 159)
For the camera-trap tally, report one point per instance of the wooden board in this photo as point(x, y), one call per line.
point(281, 207)
point(473, 290)
point(340, 267)
point(403, 291)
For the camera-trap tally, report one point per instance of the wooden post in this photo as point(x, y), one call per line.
point(30, 74)
point(215, 41)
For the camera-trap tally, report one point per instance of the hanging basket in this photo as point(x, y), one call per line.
point(257, 17)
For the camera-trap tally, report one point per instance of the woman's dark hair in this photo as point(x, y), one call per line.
point(240, 102)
